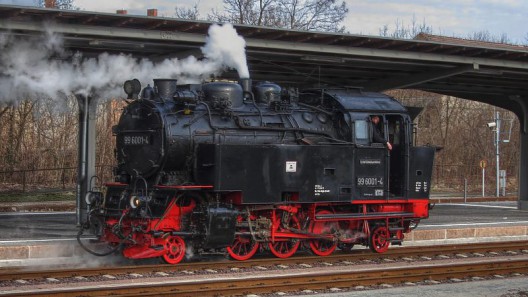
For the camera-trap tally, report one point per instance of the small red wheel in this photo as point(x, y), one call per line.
point(285, 247)
point(379, 239)
point(323, 247)
point(243, 247)
point(175, 247)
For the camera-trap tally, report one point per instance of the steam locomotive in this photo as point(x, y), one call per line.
point(243, 168)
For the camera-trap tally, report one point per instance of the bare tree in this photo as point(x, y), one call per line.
point(187, 13)
point(3, 110)
point(318, 15)
point(250, 12)
point(485, 35)
point(406, 32)
point(309, 15)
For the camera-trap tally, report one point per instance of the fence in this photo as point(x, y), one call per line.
point(451, 177)
point(46, 179)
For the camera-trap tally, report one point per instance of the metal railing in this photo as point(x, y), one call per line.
point(43, 179)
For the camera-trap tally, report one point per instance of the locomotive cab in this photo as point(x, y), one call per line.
point(394, 129)
point(402, 172)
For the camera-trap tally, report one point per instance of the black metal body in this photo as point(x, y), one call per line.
point(270, 146)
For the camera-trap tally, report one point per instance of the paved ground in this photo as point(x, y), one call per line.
point(47, 225)
point(514, 287)
point(473, 214)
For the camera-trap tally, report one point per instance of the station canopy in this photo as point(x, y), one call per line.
point(487, 72)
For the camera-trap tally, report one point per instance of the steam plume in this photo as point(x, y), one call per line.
point(224, 44)
point(40, 66)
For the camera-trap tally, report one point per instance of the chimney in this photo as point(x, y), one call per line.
point(50, 4)
point(152, 12)
point(121, 11)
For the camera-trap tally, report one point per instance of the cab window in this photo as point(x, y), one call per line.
point(361, 131)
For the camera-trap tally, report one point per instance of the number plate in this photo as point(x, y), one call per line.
point(136, 139)
point(363, 181)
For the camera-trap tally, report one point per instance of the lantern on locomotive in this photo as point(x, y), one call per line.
point(239, 168)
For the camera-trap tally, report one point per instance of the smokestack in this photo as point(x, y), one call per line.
point(245, 83)
point(166, 88)
point(121, 11)
point(50, 4)
point(152, 12)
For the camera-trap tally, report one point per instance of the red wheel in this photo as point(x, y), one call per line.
point(285, 247)
point(379, 239)
point(243, 247)
point(323, 247)
point(175, 247)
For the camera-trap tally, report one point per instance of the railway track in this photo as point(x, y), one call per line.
point(29, 273)
point(240, 284)
point(340, 271)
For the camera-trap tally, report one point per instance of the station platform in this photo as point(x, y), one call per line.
point(40, 237)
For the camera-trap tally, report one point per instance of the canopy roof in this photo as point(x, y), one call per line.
point(482, 71)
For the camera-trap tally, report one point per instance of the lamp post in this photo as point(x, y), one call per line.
point(495, 126)
point(497, 155)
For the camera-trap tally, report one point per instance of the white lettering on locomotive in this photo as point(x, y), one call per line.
point(369, 181)
point(136, 140)
point(370, 162)
point(320, 189)
point(418, 186)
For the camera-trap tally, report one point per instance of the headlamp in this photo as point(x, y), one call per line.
point(137, 201)
point(132, 88)
point(93, 197)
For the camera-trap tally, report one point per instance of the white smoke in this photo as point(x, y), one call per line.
point(40, 66)
point(224, 44)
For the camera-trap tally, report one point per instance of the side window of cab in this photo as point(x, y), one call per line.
point(361, 129)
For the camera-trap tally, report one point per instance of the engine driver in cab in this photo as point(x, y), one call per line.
point(377, 135)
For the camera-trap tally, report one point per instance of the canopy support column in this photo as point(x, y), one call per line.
point(523, 172)
point(523, 162)
point(86, 150)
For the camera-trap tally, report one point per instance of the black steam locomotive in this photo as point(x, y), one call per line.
point(241, 168)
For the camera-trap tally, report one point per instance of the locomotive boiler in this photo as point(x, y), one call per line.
point(244, 168)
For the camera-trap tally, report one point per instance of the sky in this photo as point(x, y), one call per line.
point(446, 17)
